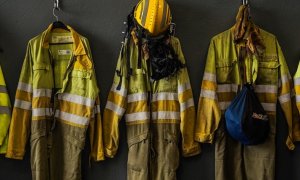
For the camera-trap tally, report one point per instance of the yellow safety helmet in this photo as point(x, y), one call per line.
point(153, 15)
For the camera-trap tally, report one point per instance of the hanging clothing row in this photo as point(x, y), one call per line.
point(57, 100)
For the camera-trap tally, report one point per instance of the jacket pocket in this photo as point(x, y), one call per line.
point(38, 145)
point(80, 80)
point(138, 81)
point(171, 153)
point(41, 74)
point(41, 66)
point(224, 72)
point(268, 72)
point(138, 157)
point(81, 74)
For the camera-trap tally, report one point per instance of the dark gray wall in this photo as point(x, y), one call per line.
point(101, 22)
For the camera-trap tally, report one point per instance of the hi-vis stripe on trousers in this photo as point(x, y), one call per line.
point(5, 114)
point(220, 85)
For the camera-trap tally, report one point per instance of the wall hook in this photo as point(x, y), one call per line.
point(55, 7)
point(245, 2)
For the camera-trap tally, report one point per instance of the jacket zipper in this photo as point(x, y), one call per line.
point(54, 94)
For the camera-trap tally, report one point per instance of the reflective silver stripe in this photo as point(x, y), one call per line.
point(4, 110)
point(165, 115)
point(164, 96)
point(3, 89)
point(22, 104)
point(25, 87)
point(187, 104)
point(227, 88)
point(77, 99)
point(72, 118)
point(41, 112)
point(208, 94)
point(269, 106)
point(298, 98)
point(136, 97)
point(145, 12)
point(42, 92)
point(285, 98)
point(97, 109)
point(224, 105)
point(297, 81)
point(139, 116)
point(142, 11)
point(285, 78)
point(115, 108)
point(122, 91)
point(184, 87)
point(163, 22)
point(265, 89)
point(209, 77)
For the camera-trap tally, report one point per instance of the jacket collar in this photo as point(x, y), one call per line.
point(78, 45)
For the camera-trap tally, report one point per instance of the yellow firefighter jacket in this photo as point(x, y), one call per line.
point(222, 78)
point(297, 86)
point(5, 114)
point(152, 137)
point(56, 101)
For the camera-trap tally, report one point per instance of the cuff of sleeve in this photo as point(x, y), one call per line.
point(99, 157)
point(204, 138)
point(15, 155)
point(297, 136)
point(290, 144)
point(109, 153)
point(193, 151)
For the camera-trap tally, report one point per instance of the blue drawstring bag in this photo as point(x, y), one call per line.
point(245, 118)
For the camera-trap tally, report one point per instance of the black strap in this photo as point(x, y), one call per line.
point(139, 50)
point(119, 69)
point(242, 63)
point(128, 57)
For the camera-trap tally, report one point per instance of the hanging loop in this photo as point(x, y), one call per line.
point(55, 7)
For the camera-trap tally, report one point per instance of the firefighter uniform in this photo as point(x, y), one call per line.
point(5, 114)
point(220, 84)
point(152, 131)
point(56, 101)
point(297, 87)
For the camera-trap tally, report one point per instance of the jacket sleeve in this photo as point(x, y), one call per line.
point(95, 125)
point(5, 113)
point(209, 113)
point(286, 96)
point(297, 87)
point(115, 107)
point(21, 116)
point(187, 110)
point(96, 140)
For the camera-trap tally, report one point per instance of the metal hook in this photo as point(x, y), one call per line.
point(245, 2)
point(55, 7)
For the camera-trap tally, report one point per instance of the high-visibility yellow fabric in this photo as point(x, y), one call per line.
point(297, 86)
point(5, 114)
point(153, 142)
point(223, 74)
point(56, 122)
point(222, 80)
